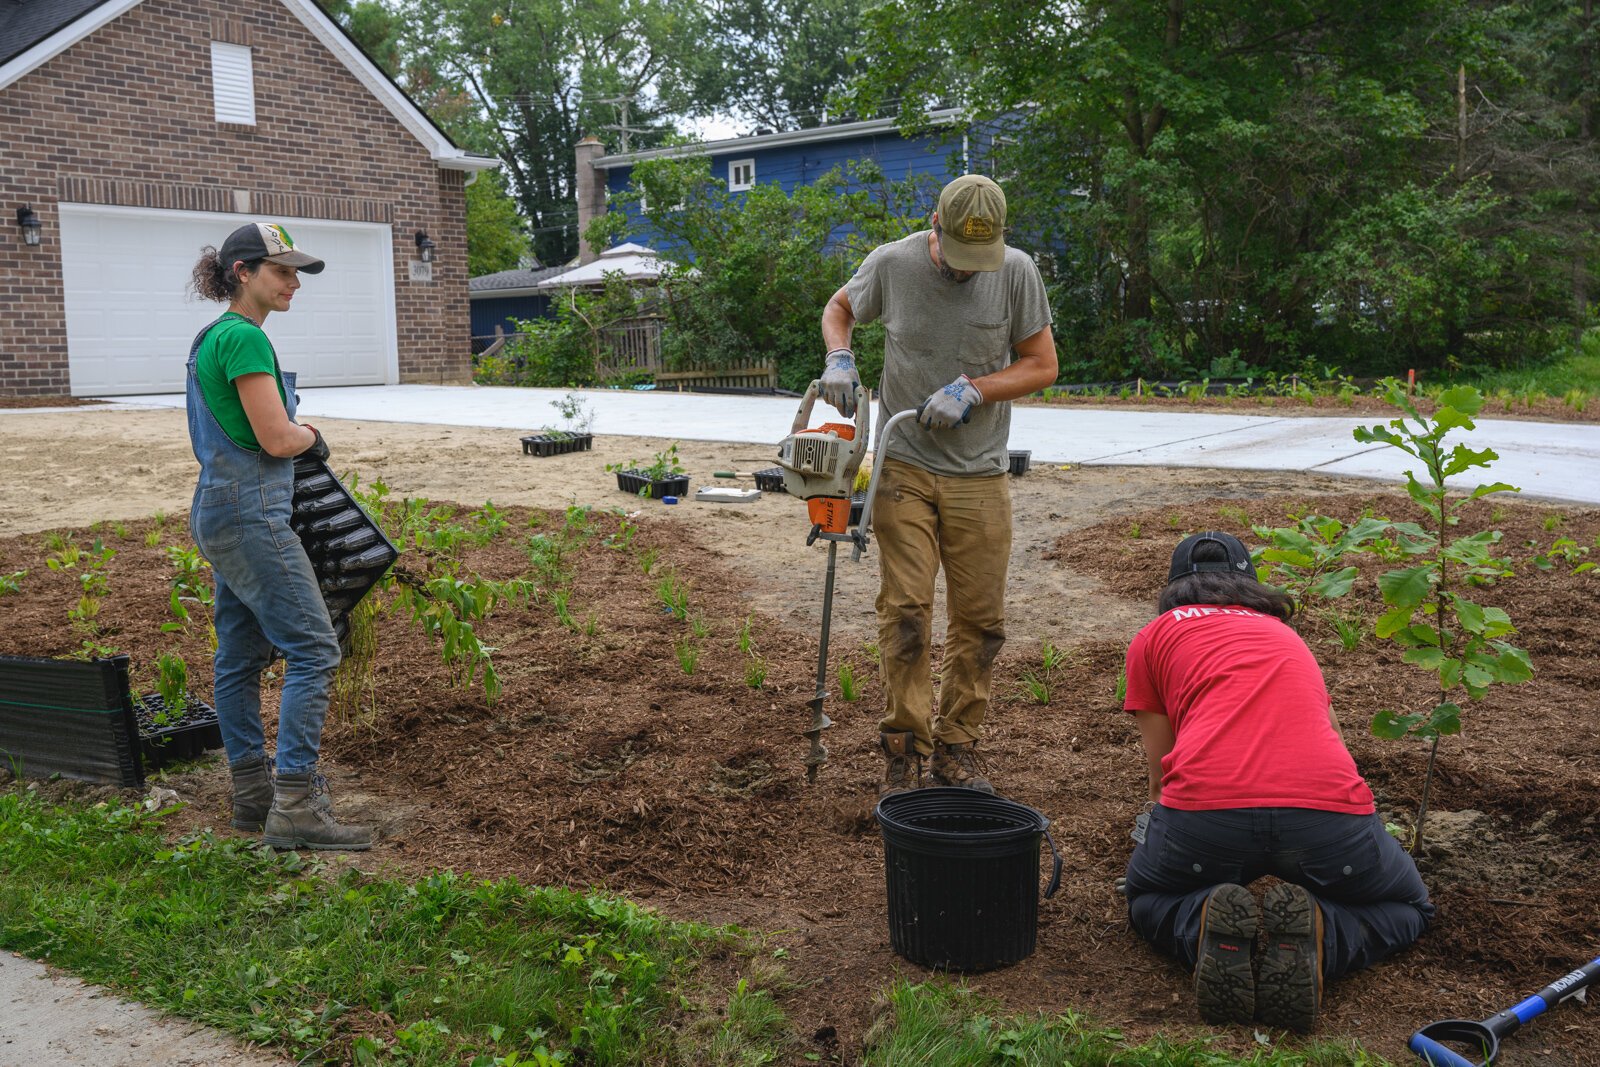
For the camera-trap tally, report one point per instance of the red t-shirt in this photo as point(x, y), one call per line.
point(1249, 710)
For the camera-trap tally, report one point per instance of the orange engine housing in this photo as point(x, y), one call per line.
point(832, 513)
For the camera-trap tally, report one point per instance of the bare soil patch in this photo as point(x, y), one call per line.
point(605, 764)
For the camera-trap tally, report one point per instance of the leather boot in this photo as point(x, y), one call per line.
point(957, 765)
point(904, 767)
point(302, 817)
point(252, 792)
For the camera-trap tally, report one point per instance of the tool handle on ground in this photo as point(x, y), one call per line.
point(1568, 985)
point(1436, 1055)
point(729, 474)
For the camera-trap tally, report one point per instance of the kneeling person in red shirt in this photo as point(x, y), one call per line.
point(1251, 777)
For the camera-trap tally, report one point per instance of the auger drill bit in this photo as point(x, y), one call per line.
point(819, 718)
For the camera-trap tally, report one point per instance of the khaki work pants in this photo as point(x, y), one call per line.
point(923, 520)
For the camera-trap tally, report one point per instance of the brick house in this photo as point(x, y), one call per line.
point(134, 131)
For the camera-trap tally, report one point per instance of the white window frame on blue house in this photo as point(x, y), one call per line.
point(734, 168)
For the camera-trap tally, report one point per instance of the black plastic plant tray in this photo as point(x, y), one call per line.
point(348, 551)
point(556, 444)
point(1019, 462)
point(69, 717)
point(186, 735)
point(770, 480)
point(637, 484)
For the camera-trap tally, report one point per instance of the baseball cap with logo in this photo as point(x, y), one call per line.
point(269, 241)
point(1237, 559)
point(972, 223)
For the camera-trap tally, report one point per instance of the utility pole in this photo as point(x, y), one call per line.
point(623, 103)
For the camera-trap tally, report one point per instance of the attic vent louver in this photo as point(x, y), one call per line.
point(233, 86)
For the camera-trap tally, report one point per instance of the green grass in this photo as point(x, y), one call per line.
point(949, 1025)
point(1575, 369)
point(337, 966)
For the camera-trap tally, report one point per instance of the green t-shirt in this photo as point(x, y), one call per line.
point(233, 347)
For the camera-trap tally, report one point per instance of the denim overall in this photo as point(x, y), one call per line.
point(266, 592)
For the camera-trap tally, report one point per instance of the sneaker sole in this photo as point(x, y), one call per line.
point(1224, 985)
point(1288, 989)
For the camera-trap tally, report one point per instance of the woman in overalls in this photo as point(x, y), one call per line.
point(241, 424)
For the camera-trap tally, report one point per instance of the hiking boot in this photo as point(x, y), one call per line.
point(252, 792)
point(1224, 987)
point(904, 767)
point(1289, 990)
point(957, 765)
point(302, 817)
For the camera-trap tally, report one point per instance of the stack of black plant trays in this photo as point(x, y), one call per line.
point(556, 443)
point(348, 551)
point(167, 734)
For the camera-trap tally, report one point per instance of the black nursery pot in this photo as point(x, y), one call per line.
point(1020, 461)
point(167, 737)
point(636, 483)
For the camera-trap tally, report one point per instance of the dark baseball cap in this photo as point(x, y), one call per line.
point(269, 241)
point(1237, 562)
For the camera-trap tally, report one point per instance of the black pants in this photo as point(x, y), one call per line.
point(1372, 898)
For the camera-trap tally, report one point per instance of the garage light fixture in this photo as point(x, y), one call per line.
point(425, 247)
point(30, 225)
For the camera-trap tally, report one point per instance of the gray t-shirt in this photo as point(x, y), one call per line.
point(938, 329)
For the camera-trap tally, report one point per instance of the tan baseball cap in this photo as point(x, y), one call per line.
point(972, 223)
point(270, 241)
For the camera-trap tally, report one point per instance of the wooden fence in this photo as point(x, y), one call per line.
point(633, 346)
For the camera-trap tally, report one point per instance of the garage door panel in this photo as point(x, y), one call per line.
point(130, 320)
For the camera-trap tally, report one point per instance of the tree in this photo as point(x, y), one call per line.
point(778, 61)
point(496, 233)
point(541, 73)
point(1240, 183)
point(374, 28)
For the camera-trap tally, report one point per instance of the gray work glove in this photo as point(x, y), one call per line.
point(840, 381)
point(951, 405)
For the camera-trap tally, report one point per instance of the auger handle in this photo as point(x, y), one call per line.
point(864, 527)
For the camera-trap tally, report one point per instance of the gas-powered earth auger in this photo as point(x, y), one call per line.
point(819, 466)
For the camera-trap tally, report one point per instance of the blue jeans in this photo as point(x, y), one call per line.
point(266, 596)
point(1372, 899)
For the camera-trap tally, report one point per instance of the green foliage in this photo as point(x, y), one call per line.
point(12, 583)
point(673, 594)
point(496, 232)
point(937, 1022)
point(687, 652)
point(566, 349)
point(662, 465)
point(755, 672)
point(1038, 684)
point(278, 948)
point(1457, 641)
point(1308, 559)
point(172, 682)
point(1208, 198)
point(577, 415)
point(190, 585)
point(849, 685)
point(764, 262)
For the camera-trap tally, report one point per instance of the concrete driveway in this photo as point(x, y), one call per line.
point(1555, 461)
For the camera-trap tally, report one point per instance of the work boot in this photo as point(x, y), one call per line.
point(1224, 985)
point(957, 765)
point(252, 792)
point(903, 770)
point(302, 817)
point(1289, 989)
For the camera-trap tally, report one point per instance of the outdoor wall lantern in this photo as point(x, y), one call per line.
point(29, 221)
point(425, 247)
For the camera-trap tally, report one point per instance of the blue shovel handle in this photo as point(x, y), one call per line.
point(1425, 1043)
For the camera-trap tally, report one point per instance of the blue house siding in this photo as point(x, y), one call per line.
point(491, 311)
point(938, 156)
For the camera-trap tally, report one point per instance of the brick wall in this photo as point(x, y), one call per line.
point(125, 117)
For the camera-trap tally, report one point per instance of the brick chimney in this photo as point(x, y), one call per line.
point(591, 193)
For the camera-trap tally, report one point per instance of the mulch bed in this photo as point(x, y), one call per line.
point(604, 764)
point(46, 402)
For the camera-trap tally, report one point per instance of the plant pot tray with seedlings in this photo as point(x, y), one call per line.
point(635, 482)
point(69, 717)
point(168, 734)
point(556, 443)
point(348, 551)
point(770, 480)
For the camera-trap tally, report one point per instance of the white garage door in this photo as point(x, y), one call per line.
point(130, 320)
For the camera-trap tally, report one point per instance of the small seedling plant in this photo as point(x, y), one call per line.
point(172, 683)
point(576, 414)
point(11, 584)
point(662, 465)
point(1309, 559)
point(1038, 684)
point(1458, 642)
